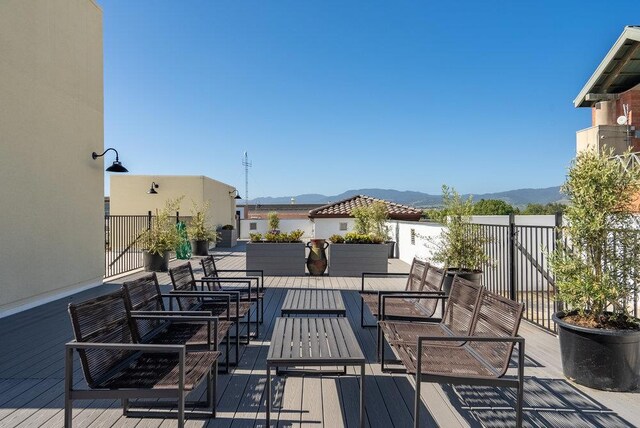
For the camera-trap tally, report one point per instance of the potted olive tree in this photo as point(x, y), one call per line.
point(461, 245)
point(199, 231)
point(596, 271)
point(160, 239)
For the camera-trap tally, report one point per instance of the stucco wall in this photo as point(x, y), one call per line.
point(325, 227)
point(51, 119)
point(128, 195)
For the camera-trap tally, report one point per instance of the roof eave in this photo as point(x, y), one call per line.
point(629, 33)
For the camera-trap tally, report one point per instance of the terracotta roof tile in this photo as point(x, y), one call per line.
point(343, 208)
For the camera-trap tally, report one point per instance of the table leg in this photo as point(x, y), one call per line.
point(268, 394)
point(362, 369)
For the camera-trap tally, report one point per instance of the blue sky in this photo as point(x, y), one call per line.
point(333, 95)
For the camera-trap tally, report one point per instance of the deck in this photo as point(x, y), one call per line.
point(31, 379)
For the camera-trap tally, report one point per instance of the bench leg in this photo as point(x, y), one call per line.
point(68, 385)
point(418, 401)
point(268, 394)
point(520, 397)
point(362, 375)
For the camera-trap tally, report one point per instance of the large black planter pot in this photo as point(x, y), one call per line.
point(199, 248)
point(473, 276)
point(155, 262)
point(598, 358)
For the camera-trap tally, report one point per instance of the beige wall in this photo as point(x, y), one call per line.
point(51, 119)
point(597, 137)
point(128, 195)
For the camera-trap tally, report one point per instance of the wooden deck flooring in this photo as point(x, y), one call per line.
point(31, 379)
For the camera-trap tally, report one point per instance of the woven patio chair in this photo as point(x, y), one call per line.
point(370, 298)
point(457, 319)
point(479, 358)
point(114, 366)
point(192, 298)
point(210, 270)
point(152, 323)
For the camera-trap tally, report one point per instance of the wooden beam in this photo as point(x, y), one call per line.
point(622, 62)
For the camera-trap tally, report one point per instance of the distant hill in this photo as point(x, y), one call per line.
point(519, 197)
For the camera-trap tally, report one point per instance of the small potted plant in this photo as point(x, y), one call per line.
point(597, 269)
point(274, 222)
point(228, 236)
point(160, 239)
point(460, 246)
point(199, 231)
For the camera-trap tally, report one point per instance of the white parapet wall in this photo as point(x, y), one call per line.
point(414, 239)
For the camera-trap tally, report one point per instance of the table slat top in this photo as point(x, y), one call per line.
point(314, 341)
point(314, 302)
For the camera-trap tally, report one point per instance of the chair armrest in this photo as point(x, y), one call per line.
point(383, 296)
point(378, 274)
point(231, 281)
point(247, 271)
point(180, 318)
point(187, 313)
point(143, 347)
point(496, 339)
point(174, 293)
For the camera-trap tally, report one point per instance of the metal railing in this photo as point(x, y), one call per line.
point(123, 244)
point(518, 266)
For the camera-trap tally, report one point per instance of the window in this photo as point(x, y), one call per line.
point(343, 225)
point(253, 226)
point(413, 237)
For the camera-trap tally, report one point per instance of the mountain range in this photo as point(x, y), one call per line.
point(518, 197)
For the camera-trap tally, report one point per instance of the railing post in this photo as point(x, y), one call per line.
point(512, 257)
point(149, 220)
point(557, 230)
point(177, 217)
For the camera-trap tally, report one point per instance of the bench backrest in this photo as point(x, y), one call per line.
point(432, 281)
point(417, 272)
point(103, 320)
point(143, 294)
point(497, 316)
point(210, 271)
point(462, 304)
point(182, 279)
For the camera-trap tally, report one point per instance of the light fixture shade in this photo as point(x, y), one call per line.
point(117, 167)
point(238, 197)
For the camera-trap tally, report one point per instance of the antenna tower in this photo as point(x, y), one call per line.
point(247, 165)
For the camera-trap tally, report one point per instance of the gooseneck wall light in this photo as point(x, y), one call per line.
point(152, 190)
point(235, 192)
point(116, 166)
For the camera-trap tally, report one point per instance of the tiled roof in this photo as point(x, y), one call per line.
point(343, 208)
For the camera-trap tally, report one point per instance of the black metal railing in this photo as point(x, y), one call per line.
point(518, 266)
point(123, 243)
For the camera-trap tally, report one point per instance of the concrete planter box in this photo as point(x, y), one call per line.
point(353, 259)
point(227, 238)
point(276, 259)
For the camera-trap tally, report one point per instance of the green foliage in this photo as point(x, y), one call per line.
point(435, 214)
point(493, 207)
point(460, 245)
point(255, 237)
point(274, 221)
point(596, 271)
point(371, 220)
point(199, 228)
point(361, 238)
point(163, 235)
point(293, 236)
point(539, 209)
point(336, 239)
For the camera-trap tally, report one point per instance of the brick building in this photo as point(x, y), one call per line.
point(614, 84)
